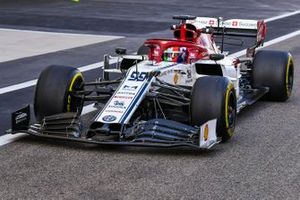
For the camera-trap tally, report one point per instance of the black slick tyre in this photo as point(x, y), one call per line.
point(275, 70)
point(213, 97)
point(53, 91)
point(143, 50)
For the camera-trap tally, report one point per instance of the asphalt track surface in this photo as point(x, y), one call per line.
point(260, 162)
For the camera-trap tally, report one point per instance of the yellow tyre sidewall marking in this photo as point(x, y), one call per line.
point(229, 88)
point(78, 75)
point(287, 75)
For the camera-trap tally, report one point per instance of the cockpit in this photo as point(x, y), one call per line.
point(189, 44)
point(175, 54)
point(174, 51)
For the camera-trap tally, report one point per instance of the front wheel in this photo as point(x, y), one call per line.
point(213, 97)
point(53, 92)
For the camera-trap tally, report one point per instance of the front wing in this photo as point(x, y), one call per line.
point(151, 133)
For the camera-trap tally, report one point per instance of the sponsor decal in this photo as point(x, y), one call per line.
point(248, 24)
point(109, 118)
point(126, 93)
point(20, 117)
point(118, 104)
point(188, 76)
point(241, 24)
point(211, 22)
point(166, 72)
point(203, 21)
point(176, 78)
point(123, 97)
point(113, 111)
point(116, 107)
point(138, 76)
point(189, 73)
point(130, 88)
point(206, 131)
point(189, 81)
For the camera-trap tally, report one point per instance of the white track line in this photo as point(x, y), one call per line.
point(56, 33)
point(271, 42)
point(282, 16)
point(31, 83)
point(8, 138)
point(19, 86)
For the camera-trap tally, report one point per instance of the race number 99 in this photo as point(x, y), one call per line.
point(138, 76)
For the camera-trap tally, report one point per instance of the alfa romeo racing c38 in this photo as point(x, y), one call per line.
point(184, 91)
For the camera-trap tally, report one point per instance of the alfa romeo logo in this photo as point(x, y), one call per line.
point(109, 118)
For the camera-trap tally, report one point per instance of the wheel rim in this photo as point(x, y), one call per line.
point(231, 110)
point(75, 104)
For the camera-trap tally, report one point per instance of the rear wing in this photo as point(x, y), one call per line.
point(233, 27)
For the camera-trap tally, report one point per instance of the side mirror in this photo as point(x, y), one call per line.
point(120, 51)
point(216, 56)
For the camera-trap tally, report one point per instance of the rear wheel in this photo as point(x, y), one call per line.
point(213, 97)
point(53, 91)
point(275, 70)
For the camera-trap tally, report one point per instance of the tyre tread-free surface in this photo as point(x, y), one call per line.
point(143, 50)
point(273, 69)
point(52, 90)
point(208, 101)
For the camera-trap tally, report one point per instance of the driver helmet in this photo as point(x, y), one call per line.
point(175, 54)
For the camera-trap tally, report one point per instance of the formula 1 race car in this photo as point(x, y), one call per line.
point(174, 92)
